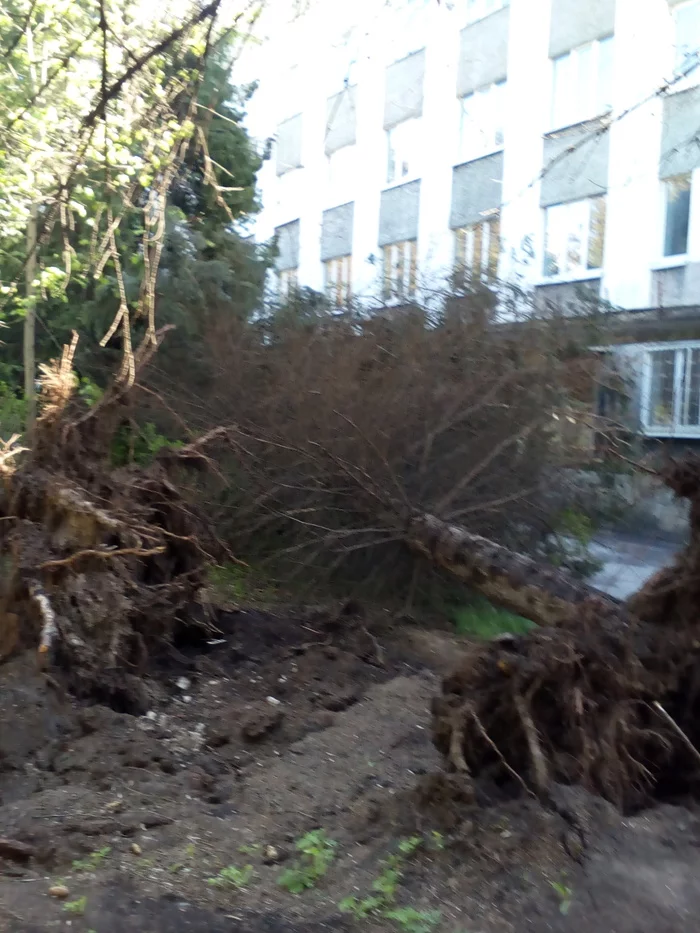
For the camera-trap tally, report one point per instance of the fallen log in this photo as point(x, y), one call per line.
point(543, 594)
point(604, 695)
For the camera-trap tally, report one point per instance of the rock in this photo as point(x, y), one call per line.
point(336, 702)
point(59, 890)
point(261, 721)
point(271, 855)
point(273, 701)
point(136, 848)
point(15, 850)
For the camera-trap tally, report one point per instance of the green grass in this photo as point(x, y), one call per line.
point(238, 583)
point(480, 619)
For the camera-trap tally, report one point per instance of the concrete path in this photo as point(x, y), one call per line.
point(629, 561)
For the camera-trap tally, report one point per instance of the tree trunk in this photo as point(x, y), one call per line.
point(536, 591)
point(30, 324)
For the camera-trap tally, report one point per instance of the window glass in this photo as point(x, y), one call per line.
point(677, 219)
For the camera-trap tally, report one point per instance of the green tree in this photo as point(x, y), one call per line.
point(102, 115)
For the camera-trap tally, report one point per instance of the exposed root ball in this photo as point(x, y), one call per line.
point(577, 705)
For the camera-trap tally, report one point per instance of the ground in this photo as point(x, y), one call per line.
point(283, 724)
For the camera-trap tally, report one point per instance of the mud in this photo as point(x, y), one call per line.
point(168, 798)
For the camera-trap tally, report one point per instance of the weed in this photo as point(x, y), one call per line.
point(232, 877)
point(93, 861)
point(381, 902)
point(238, 583)
point(76, 907)
point(564, 893)
point(482, 620)
point(437, 840)
point(317, 853)
point(413, 921)
point(253, 849)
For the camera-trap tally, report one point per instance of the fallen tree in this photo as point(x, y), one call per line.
point(98, 562)
point(607, 696)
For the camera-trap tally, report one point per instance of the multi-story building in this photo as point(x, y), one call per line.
point(555, 143)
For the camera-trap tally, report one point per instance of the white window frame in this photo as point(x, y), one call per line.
point(466, 242)
point(337, 280)
point(582, 272)
point(593, 106)
point(287, 282)
point(479, 135)
point(403, 138)
point(685, 63)
point(480, 9)
point(340, 175)
point(401, 257)
point(673, 259)
point(681, 390)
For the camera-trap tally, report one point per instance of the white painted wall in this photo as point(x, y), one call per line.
point(362, 38)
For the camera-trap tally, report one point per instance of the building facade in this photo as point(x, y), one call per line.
point(553, 143)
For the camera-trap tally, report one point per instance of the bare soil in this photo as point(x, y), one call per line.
point(284, 723)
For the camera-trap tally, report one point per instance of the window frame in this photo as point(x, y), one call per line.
point(337, 280)
point(287, 282)
point(408, 285)
point(583, 272)
point(483, 95)
point(413, 168)
point(673, 259)
point(681, 393)
point(594, 108)
point(465, 251)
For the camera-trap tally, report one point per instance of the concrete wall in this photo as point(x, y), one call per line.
point(288, 246)
point(476, 189)
point(399, 213)
point(577, 160)
point(341, 120)
point(336, 231)
point(288, 144)
point(483, 52)
point(575, 22)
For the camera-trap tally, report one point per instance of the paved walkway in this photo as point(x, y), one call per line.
point(629, 561)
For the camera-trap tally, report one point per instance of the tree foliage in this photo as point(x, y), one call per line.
point(122, 141)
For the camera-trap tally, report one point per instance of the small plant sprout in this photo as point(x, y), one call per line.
point(317, 853)
point(564, 893)
point(76, 907)
point(93, 861)
point(382, 901)
point(232, 877)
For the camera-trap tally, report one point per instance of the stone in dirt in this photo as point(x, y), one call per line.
point(260, 722)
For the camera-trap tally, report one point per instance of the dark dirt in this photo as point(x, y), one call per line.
point(168, 799)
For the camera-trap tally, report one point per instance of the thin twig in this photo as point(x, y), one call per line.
point(674, 725)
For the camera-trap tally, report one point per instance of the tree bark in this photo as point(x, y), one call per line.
point(536, 591)
point(30, 324)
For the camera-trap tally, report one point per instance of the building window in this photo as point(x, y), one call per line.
point(287, 282)
point(477, 248)
point(478, 9)
point(481, 122)
point(676, 215)
point(574, 237)
point(402, 148)
point(686, 19)
point(582, 87)
point(341, 172)
point(673, 391)
point(337, 275)
point(400, 266)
